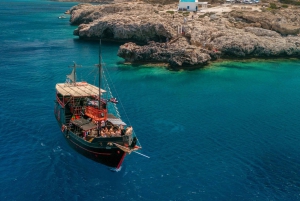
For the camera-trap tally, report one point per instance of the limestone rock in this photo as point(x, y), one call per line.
point(109, 21)
point(282, 22)
point(231, 35)
point(262, 32)
point(154, 52)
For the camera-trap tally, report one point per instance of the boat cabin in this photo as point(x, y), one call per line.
point(80, 97)
point(83, 115)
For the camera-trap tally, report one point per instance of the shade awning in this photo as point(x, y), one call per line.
point(88, 126)
point(80, 89)
point(84, 124)
point(80, 122)
point(115, 120)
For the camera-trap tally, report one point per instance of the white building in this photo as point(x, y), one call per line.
point(191, 5)
point(229, 1)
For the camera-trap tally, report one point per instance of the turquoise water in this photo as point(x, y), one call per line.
point(226, 132)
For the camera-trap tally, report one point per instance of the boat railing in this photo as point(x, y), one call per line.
point(96, 114)
point(68, 118)
point(76, 110)
point(59, 100)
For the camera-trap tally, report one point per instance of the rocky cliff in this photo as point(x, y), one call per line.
point(189, 39)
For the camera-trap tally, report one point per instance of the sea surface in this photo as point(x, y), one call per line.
point(230, 131)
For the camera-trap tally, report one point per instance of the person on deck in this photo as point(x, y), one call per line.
point(118, 131)
point(102, 133)
point(128, 130)
point(105, 130)
point(111, 131)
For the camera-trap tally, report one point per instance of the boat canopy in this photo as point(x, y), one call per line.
point(80, 89)
point(84, 124)
point(115, 120)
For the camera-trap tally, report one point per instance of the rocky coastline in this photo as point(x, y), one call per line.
point(159, 34)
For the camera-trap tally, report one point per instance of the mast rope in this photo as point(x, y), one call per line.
point(110, 93)
point(113, 86)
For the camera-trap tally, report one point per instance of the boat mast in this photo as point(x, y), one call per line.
point(72, 76)
point(100, 75)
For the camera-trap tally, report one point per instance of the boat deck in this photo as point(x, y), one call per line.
point(86, 127)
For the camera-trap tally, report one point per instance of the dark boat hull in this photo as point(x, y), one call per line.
point(100, 150)
point(109, 156)
point(89, 124)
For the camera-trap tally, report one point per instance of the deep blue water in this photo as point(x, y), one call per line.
point(226, 132)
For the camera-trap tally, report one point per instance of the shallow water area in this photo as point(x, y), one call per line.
point(226, 132)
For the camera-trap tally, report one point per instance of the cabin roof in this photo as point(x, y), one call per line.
point(80, 89)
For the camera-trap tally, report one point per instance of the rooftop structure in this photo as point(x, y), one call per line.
point(191, 5)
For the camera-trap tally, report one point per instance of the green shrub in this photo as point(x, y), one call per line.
point(170, 11)
point(273, 6)
point(186, 13)
point(293, 2)
point(284, 6)
point(206, 14)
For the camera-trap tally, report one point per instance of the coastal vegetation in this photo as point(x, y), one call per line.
point(170, 11)
point(292, 2)
point(273, 6)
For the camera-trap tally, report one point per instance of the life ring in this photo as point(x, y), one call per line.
point(63, 127)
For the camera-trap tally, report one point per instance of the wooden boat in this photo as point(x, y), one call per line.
point(89, 124)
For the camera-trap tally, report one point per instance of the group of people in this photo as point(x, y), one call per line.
point(111, 131)
point(105, 132)
point(115, 131)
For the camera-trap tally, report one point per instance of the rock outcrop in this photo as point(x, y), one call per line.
point(120, 22)
point(164, 52)
point(283, 22)
point(181, 40)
